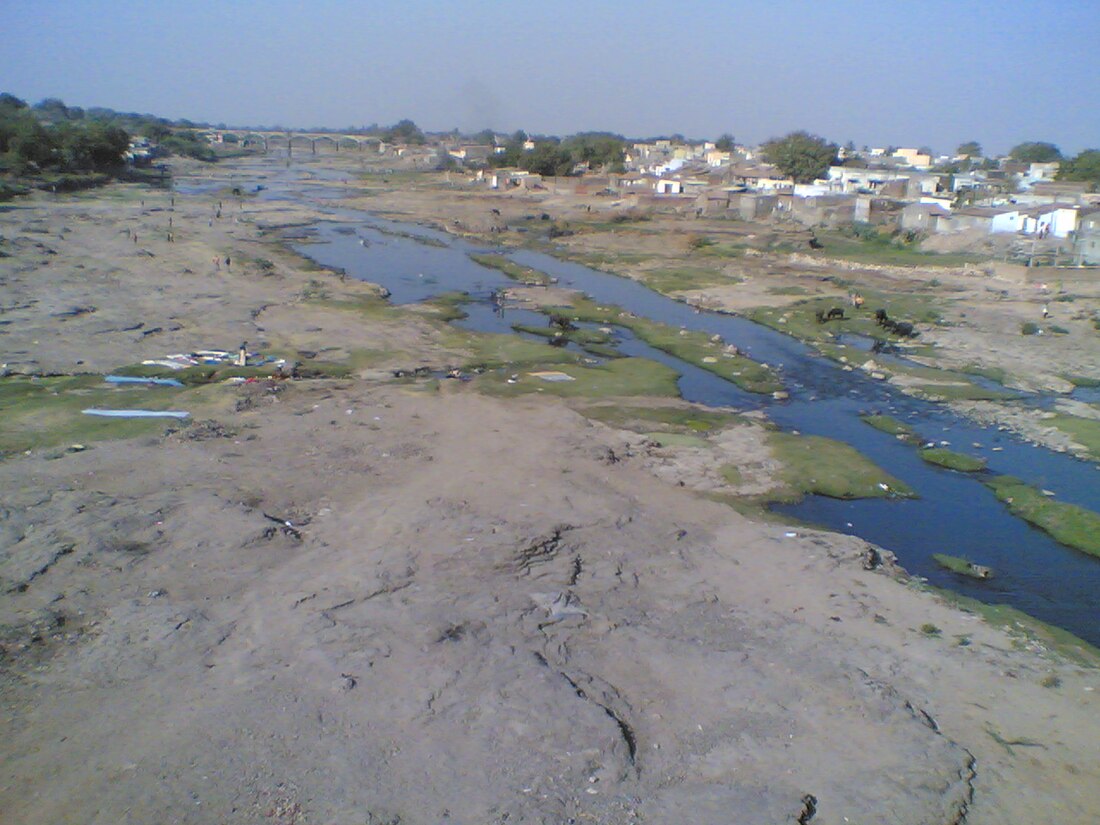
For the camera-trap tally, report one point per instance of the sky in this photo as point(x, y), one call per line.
point(882, 72)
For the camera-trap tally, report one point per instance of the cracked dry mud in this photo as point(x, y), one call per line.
point(403, 658)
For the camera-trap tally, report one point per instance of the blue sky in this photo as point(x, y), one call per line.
point(931, 73)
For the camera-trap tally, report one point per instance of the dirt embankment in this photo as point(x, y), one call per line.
point(356, 600)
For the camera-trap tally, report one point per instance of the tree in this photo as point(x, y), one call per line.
point(32, 143)
point(547, 159)
point(404, 131)
point(1084, 167)
point(971, 149)
point(486, 137)
point(10, 102)
point(802, 156)
point(1035, 152)
point(725, 143)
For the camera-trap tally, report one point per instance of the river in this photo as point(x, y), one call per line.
point(955, 514)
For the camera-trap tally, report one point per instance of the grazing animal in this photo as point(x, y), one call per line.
point(834, 314)
point(561, 322)
point(881, 317)
point(905, 329)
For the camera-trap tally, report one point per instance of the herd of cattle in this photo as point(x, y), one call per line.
point(900, 328)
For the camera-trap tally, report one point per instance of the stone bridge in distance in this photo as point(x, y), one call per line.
point(268, 140)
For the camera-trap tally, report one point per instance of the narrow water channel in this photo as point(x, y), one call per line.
point(955, 513)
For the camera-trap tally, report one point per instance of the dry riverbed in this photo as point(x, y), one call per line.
point(348, 597)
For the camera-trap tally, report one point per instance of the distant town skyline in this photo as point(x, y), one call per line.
point(935, 74)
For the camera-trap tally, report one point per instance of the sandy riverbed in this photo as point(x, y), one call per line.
point(477, 617)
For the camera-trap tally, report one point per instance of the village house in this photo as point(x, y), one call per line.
point(472, 154)
point(923, 217)
point(1086, 241)
point(914, 158)
point(893, 182)
point(1057, 220)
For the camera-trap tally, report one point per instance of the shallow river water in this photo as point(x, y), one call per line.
point(955, 513)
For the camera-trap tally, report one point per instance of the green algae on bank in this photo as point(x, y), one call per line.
point(666, 418)
point(964, 567)
point(891, 425)
point(510, 269)
point(951, 460)
point(815, 465)
point(1068, 524)
point(696, 348)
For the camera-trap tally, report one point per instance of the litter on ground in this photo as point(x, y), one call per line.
point(135, 379)
point(214, 357)
point(138, 413)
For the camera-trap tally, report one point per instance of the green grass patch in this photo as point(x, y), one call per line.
point(46, 412)
point(693, 347)
point(960, 392)
point(891, 425)
point(964, 567)
point(1069, 524)
point(879, 249)
point(668, 419)
point(682, 278)
point(813, 465)
point(1085, 431)
point(517, 272)
point(1082, 380)
point(951, 460)
point(996, 374)
point(731, 474)
point(591, 340)
point(491, 350)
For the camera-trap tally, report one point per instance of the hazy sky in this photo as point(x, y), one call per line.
point(877, 72)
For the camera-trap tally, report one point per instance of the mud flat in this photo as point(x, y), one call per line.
point(353, 597)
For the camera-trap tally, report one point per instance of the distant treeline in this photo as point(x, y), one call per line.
point(50, 137)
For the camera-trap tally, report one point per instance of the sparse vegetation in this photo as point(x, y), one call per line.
point(813, 465)
point(1069, 524)
point(952, 460)
point(964, 567)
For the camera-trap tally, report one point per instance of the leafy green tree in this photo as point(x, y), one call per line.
point(1084, 167)
point(31, 142)
point(725, 143)
point(597, 149)
point(971, 148)
point(547, 159)
point(404, 131)
point(95, 147)
point(486, 137)
point(802, 156)
point(1035, 152)
point(10, 103)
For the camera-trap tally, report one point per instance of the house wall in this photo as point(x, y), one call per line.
point(1007, 222)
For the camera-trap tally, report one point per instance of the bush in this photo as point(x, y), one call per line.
point(1029, 328)
point(1059, 330)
